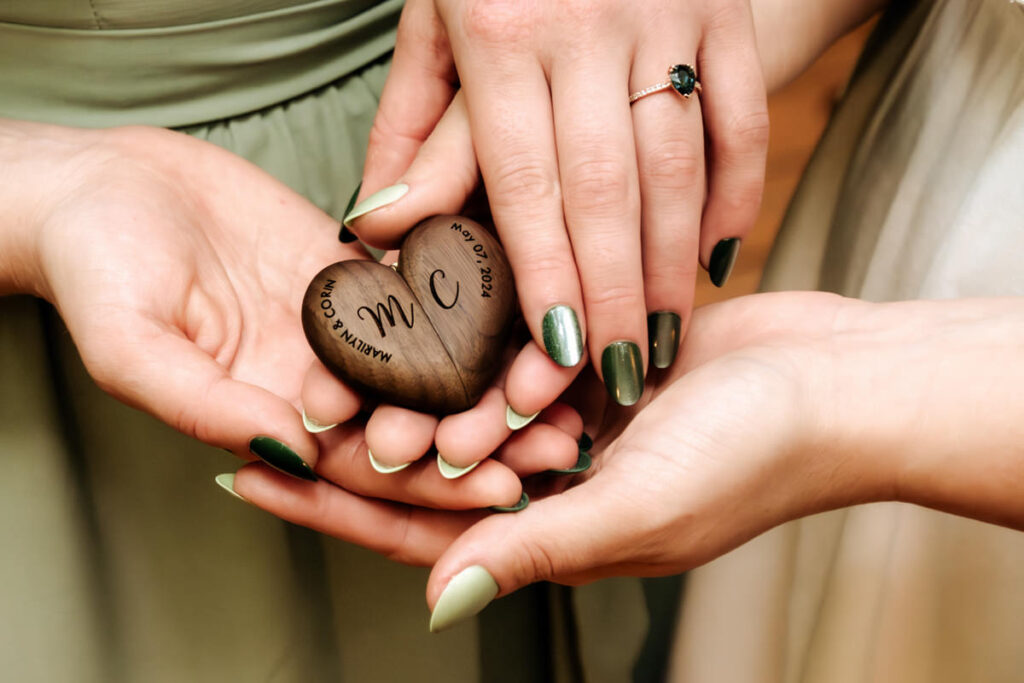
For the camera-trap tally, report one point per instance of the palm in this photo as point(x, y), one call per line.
point(171, 272)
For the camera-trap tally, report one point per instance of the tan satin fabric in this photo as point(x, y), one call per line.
point(916, 191)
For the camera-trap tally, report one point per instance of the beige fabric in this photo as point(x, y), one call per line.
point(916, 191)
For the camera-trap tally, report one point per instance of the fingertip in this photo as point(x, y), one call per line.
point(397, 436)
point(326, 400)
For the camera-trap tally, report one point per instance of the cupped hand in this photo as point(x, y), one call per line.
point(605, 210)
point(723, 448)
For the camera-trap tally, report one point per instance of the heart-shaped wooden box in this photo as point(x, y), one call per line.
point(428, 335)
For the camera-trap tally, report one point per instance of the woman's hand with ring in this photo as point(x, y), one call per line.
point(605, 209)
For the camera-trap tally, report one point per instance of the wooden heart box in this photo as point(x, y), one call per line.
point(427, 335)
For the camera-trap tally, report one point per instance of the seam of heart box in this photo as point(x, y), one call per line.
point(462, 383)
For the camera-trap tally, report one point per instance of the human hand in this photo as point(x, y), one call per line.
point(715, 455)
point(599, 205)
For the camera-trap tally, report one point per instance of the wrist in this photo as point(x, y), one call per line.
point(920, 403)
point(40, 165)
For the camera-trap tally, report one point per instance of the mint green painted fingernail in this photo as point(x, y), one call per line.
point(385, 469)
point(563, 340)
point(466, 594)
point(622, 367)
point(227, 482)
point(377, 200)
point(583, 463)
point(450, 471)
point(524, 500)
point(586, 443)
point(314, 427)
point(280, 457)
point(516, 421)
point(663, 333)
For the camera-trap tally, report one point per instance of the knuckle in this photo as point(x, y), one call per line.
point(672, 164)
point(615, 298)
point(597, 186)
point(543, 265)
point(498, 22)
point(747, 132)
point(536, 563)
point(522, 180)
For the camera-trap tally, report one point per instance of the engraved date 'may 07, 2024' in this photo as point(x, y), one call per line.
point(480, 255)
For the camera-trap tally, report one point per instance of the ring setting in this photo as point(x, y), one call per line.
point(681, 78)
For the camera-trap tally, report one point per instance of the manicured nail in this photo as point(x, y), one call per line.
point(347, 235)
point(524, 500)
point(466, 594)
point(562, 338)
point(583, 463)
point(723, 256)
point(385, 469)
point(516, 421)
point(314, 427)
point(586, 443)
point(280, 457)
point(450, 471)
point(227, 482)
point(663, 331)
point(621, 365)
point(375, 201)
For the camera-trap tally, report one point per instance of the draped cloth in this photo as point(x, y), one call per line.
point(916, 191)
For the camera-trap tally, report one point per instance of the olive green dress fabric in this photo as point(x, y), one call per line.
point(916, 191)
point(122, 560)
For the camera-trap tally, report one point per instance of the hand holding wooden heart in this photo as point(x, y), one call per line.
point(429, 335)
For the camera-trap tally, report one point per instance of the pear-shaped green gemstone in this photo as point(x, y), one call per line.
point(683, 79)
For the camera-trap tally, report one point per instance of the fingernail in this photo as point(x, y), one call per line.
point(723, 256)
point(375, 201)
point(227, 482)
point(583, 463)
point(663, 331)
point(466, 594)
point(450, 471)
point(623, 372)
point(314, 427)
point(524, 500)
point(347, 235)
point(586, 443)
point(516, 421)
point(562, 338)
point(280, 457)
point(385, 469)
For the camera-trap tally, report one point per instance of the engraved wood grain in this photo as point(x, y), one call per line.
point(429, 336)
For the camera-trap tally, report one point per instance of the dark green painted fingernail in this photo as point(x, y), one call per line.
point(347, 235)
point(280, 457)
point(586, 443)
point(622, 367)
point(583, 463)
point(524, 500)
point(663, 332)
point(723, 256)
point(562, 338)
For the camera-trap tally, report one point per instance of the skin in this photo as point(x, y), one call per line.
point(181, 291)
point(604, 207)
point(781, 405)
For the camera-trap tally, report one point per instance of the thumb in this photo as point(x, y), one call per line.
point(439, 180)
point(419, 86)
point(568, 538)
